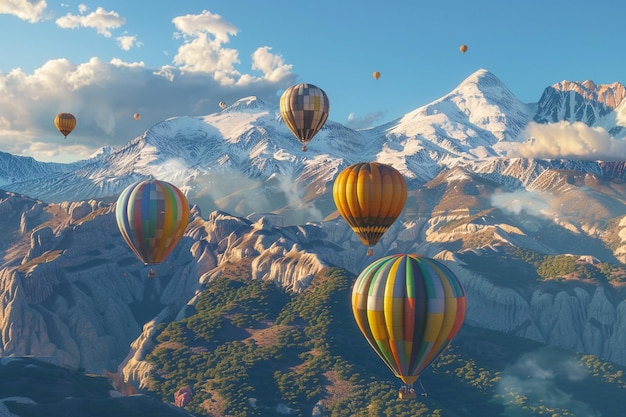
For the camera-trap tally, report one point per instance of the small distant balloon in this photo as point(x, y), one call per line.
point(376, 75)
point(222, 105)
point(136, 116)
point(463, 48)
point(65, 123)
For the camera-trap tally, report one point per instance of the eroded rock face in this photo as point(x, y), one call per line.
point(579, 318)
point(71, 289)
point(77, 292)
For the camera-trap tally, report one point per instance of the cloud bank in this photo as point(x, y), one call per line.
point(543, 379)
point(570, 141)
point(522, 201)
point(30, 11)
point(104, 95)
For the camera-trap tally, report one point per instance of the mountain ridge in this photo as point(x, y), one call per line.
point(475, 125)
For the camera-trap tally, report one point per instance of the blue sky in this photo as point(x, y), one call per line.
point(105, 60)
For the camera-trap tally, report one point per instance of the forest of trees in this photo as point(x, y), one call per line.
point(250, 348)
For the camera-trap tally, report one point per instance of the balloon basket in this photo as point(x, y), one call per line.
point(407, 392)
point(370, 251)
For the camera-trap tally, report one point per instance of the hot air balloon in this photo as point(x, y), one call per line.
point(463, 48)
point(369, 196)
point(137, 116)
point(65, 123)
point(152, 216)
point(304, 108)
point(222, 105)
point(409, 308)
point(376, 75)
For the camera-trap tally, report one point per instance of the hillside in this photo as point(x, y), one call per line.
point(30, 387)
point(250, 349)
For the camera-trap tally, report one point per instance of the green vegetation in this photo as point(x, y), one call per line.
point(558, 267)
point(251, 347)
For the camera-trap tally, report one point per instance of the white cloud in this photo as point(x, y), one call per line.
point(204, 34)
point(31, 11)
point(205, 22)
point(272, 66)
point(127, 41)
point(570, 141)
point(204, 55)
point(101, 20)
point(363, 122)
point(519, 201)
point(119, 63)
point(203, 51)
point(543, 377)
point(82, 8)
point(103, 96)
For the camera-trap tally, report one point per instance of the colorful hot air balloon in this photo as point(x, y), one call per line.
point(137, 116)
point(152, 216)
point(463, 48)
point(304, 108)
point(65, 123)
point(409, 308)
point(222, 105)
point(370, 196)
point(376, 75)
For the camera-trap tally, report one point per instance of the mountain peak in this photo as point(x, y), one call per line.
point(483, 80)
point(249, 103)
point(610, 95)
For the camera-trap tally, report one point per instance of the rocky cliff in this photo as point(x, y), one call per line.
point(71, 289)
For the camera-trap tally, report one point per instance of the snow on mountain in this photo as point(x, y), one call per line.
point(579, 101)
point(479, 113)
point(14, 169)
point(244, 159)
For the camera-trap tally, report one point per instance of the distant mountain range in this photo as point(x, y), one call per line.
point(244, 159)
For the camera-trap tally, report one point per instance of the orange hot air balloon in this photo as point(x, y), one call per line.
point(409, 308)
point(304, 109)
point(370, 196)
point(136, 116)
point(463, 48)
point(65, 123)
point(376, 75)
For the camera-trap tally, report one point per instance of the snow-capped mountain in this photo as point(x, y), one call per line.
point(244, 159)
point(579, 101)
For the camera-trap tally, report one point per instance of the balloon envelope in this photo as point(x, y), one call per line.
point(136, 116)
point(222, 104)
point(152, 216)
point(65, 123)
point(370, 196)
point(376, 75)
point(463, 48)
point(304, 108)
point(409, 308)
